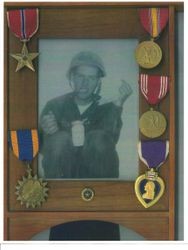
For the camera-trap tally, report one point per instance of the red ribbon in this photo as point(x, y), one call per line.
point(154, 20)
point(23, 23)
point(154, 88)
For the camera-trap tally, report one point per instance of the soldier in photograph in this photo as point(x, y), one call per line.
point(78, 131)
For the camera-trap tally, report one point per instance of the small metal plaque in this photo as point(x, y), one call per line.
point(87, 194)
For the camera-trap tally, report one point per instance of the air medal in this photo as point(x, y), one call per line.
point(149, 187)
point(24, 24)
point(31, 191)
point(148, 54)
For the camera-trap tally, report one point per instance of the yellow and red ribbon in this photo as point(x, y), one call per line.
point(154, 20)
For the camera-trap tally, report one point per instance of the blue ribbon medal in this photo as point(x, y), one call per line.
point(24, 143)
point(31, 190)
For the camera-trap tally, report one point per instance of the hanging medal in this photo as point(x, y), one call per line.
point(31, 191)
point(152, 124)
point(148, 53)
point(23, 24)
point(149, 187)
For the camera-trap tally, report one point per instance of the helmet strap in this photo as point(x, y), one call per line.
point(96, 94)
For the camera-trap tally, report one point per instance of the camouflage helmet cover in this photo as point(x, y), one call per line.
point(87, 58)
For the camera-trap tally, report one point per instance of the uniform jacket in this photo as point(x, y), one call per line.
point(105, 117)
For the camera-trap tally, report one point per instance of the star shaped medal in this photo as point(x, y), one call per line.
point(24, 59)
point(24, 24)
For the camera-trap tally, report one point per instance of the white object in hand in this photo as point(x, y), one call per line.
point(78, 133)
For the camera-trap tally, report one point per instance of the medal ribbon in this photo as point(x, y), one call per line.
point(24, 143)
point(154, 88)
point(23, 23)
point(153, 153)
point(154, 20)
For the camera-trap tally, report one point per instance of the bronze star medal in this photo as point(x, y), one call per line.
point(24, 59)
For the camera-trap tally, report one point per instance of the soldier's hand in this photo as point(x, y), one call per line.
point(49, 123)
point(125, 91)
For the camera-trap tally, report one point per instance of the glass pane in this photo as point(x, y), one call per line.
point(88, 230)
point(88, 108)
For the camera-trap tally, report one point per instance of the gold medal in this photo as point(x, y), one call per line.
point(149, 188)
point(152, 124)
point(148, 54)
point(31, 191)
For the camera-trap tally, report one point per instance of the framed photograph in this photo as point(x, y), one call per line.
point(85, 101)
point(106, 135)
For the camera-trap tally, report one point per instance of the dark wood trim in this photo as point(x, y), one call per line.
point(37, 222)
point(59, 214)
point(5, 125)
point(178, 5)
point(172, 123)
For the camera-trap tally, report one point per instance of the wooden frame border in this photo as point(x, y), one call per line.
point(172, 7)
point(177, 5)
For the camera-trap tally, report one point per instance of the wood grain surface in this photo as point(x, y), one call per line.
point(152, 226)
point(114, 200)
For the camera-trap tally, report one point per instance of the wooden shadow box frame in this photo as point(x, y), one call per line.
point(114, 201)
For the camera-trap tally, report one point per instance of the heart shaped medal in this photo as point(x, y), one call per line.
point(149, 188)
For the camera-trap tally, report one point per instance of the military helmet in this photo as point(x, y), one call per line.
point(87, 58)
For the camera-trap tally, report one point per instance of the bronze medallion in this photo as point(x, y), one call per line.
point(148, 54)
point(31, 191)
point(152, 124)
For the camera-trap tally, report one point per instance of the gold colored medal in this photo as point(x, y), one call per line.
point(148, 54)
point(149, 188)
point(152, 124)
point(31, 191)
point(25, 58)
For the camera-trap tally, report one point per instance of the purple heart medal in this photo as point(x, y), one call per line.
point(149, 187)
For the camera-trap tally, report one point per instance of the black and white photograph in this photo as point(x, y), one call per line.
point(88, 108)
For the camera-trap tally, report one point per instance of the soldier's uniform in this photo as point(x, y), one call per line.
point(97, 158)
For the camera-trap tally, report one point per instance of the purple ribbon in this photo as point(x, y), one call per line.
point(153, 152)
